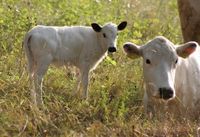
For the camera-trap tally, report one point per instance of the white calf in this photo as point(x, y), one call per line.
point(169, 71)
point(80, 46)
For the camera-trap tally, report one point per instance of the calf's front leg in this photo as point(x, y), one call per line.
point(84, 81)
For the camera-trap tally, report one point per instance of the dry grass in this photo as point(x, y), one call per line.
point(115, 106)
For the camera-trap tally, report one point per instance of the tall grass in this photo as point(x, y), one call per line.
point(115, 106)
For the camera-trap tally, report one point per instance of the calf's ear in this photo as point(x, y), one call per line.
point(122, 25)
point(186, 49)
point(132, 51)
point(96, 27)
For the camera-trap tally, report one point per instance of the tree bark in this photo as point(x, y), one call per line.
point(189, 12)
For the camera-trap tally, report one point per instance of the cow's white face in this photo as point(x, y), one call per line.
point(108, 34)
point(159, 64)
point(160, 59)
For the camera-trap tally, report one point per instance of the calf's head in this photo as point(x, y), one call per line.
point(108, 34)
point(160, 60)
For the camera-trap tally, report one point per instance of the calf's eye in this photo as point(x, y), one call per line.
point(148, 61)
point(104, 35)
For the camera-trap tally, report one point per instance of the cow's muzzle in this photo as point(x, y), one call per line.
point(112, 49)
point(166, 93)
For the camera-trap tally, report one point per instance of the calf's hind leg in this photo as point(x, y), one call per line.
point(40, 70)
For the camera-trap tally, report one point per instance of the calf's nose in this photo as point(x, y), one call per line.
point(112, 49)
point(166, 93)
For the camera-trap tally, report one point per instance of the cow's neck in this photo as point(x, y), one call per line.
point(181, 70)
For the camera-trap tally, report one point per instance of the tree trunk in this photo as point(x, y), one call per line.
point(189, 12)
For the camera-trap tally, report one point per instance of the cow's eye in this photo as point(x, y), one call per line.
point(176, 61)
point(148, 61)
point(104, 35)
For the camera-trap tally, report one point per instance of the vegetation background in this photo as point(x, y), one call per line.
point(115, 106)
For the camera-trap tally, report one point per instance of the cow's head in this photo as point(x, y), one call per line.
point(160, 60)
point(108, 34)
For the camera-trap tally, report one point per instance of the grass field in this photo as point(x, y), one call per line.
point(114, 107)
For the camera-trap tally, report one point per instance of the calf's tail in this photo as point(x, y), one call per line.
point(28, 53)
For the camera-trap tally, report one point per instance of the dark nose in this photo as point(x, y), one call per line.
point(112, 49)
point(166, 93)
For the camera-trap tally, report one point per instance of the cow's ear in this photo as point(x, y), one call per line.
point(132, 51)
point(122, 25)
point(96, 27)
point(186, 49)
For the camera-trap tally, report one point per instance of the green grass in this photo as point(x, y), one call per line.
point(114, 107)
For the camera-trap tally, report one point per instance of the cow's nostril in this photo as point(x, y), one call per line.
point(166, 93)
point(112, 49)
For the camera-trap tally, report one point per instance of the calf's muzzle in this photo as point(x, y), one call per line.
point(112, 49)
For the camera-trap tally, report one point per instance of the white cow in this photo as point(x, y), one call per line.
point(169, 71)
point(80, 46)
